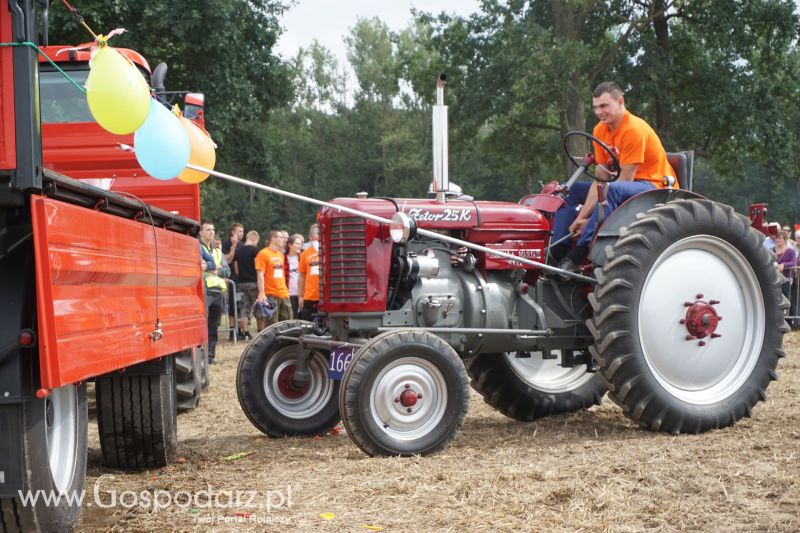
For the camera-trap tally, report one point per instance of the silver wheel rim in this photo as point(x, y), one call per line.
point(313, 400)
point(408, 374)
point(61, 422)
point(711, 267)
point(547, 375)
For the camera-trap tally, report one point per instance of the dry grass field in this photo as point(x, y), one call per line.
point(589, 471)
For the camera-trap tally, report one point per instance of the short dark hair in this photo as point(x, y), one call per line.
point(273, 233)
point(609, 87)
point(206, 222)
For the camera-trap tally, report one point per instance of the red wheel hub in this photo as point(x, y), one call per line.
point(286, 385)
point(408, 398)
point(701, 319)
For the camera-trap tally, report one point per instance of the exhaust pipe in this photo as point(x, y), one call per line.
point(441, 181)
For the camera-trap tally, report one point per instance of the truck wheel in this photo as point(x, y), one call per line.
point(267, 394)
point(405, 393)
point(201, 360)
point(136, 420)
point(188, 379)
point(529, 388)
point(688, 318)
point(54, 445)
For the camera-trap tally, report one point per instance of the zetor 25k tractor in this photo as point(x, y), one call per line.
point(678, 315)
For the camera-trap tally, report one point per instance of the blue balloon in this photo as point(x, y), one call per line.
point(161, 143)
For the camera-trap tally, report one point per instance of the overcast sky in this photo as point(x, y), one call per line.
point(328, 21)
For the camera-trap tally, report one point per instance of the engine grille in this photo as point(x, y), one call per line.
point(347, 261)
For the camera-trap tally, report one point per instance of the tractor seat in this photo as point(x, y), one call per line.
point(683, 165)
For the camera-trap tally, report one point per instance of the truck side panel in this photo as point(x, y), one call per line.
point(8, 145)
point(103, 282)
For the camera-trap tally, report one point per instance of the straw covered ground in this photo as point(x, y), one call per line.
point(590, 471)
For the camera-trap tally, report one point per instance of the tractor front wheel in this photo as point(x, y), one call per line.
point(405, 393)
point(270, 396)
point(688, 318)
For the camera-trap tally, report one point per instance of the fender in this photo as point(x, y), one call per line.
point(626, 213)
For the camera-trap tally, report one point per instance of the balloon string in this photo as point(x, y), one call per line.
point(33, 45)
point(79, 18)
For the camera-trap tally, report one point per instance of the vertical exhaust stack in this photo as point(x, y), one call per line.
point(441, 181)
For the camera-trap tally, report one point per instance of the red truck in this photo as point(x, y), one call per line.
point(98, 286)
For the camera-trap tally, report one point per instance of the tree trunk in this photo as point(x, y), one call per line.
point(662, 93)
point(569, 17)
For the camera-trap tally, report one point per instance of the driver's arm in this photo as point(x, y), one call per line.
point(626, 173)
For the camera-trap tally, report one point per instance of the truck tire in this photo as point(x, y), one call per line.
point(201, 360)
point(529, 388)
point(136, 420)
point(688, 318)
point(54, 445)
point(188, 379)
point(404, 393)
point(267, 395)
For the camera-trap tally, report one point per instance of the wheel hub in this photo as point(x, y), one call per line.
point(701, 319)
point(287, 386)
point(408, 398)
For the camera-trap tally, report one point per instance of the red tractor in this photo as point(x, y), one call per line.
point(678, 316)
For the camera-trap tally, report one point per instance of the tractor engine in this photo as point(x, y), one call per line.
point(370, 284)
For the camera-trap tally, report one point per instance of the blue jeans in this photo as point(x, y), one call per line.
point(618, 192)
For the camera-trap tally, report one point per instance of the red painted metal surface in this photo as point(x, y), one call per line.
point(8, 143)
point(363, 269)
point(87, 152)
point(96, 277)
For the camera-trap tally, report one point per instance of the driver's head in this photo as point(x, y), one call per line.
point(608, 102)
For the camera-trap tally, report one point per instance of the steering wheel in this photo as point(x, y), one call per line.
point(587, 159)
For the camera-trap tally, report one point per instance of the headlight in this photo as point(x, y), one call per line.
point(402, 228)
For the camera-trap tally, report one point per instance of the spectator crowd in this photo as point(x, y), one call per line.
point(787, 252)
point(276, 282)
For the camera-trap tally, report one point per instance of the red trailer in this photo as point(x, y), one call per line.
point(97, 286)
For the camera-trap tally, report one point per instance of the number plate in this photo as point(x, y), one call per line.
point(340, 358)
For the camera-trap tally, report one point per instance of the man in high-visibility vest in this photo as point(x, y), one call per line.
point(215, 270)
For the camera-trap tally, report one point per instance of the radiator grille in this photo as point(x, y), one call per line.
point(346, 261)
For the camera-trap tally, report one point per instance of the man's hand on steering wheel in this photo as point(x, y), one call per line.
point(605, 173)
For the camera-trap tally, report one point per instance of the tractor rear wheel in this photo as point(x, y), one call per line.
point(54, 444)
point(267, 392)
point(688, 318)
point(529, 388)
point(405, 393)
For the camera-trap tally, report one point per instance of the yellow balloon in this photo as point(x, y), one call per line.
point(117, 93)
point(201, 153)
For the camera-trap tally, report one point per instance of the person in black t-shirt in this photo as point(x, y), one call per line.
point(229, 245)
point(244, 265)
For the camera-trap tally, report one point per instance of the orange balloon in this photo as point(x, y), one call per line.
point(201, 153)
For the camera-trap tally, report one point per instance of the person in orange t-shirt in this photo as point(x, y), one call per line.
point(643, 166)
point(271, 279)
point(308, 279)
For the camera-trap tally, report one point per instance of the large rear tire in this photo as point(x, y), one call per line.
point(529, 388)
point(688, 318)
point(54, 443)
point(404, 393)
point(136, 419)
point(267, 394)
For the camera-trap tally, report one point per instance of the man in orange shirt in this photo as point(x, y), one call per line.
point(308, 279)
point(643, 166)
point(271, 279)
